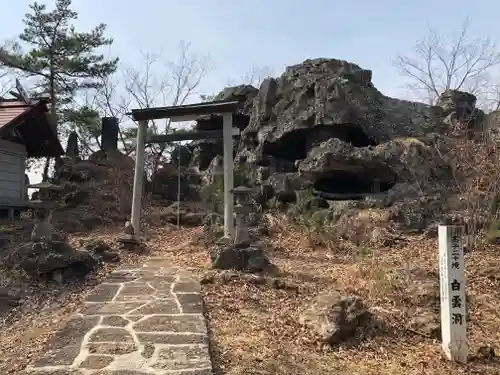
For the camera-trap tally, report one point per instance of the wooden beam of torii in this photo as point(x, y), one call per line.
point(188, 112)
point(190, 136)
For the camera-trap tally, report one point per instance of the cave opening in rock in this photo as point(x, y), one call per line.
point(353, 134)
point(348, 185)
point(291, 146)
point(296, 144)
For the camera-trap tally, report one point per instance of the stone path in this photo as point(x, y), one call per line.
point(139, 321)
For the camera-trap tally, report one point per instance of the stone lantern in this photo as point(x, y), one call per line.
point(43, 206)
point(242, 210)
point(42, 210)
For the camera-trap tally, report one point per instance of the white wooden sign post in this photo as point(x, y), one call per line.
point(452, 283)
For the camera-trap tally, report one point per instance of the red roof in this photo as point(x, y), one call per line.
point(10, 110)
point(32, 123)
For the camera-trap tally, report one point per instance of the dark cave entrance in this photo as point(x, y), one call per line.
point(341, 185)
point(296, 144)
point(291, 147)
point(350, 133)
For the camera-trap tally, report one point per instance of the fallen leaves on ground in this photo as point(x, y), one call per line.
point(253, 319)
point(254, 325)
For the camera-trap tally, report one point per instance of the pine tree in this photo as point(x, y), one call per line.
point(65, 60)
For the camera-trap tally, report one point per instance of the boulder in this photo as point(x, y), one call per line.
point(47, 256)
point(486, 353)
point(336, 318)
point(460, 102)
point(80, 172)
point(112, 158)
point(203, 151)
point(245, 93)
point(214, 172)
point(94, 191)
point(415, 214)
point(366, 227)
point(102, 251)
point(338, 168)
point(243, 257)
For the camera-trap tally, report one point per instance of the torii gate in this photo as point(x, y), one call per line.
point(181, 113)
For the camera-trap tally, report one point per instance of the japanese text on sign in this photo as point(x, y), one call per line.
point(453, 301)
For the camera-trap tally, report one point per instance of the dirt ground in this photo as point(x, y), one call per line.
point(255, 329)
point(254, 325)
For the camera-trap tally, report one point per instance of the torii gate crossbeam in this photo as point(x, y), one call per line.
point(186, 113)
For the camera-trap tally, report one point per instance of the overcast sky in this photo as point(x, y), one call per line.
point(273, 33)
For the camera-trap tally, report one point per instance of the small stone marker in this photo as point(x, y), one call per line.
point(72, 146)
point(109, 133)
point(452, 285)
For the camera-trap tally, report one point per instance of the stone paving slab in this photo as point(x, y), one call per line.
point(142, 321)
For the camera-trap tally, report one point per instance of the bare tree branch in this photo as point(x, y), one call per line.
point(437, 64)
point(111, 104)
point(158, 82)
point(254, 76)
point(495, 105)
point(163, 83)
point(5, 85)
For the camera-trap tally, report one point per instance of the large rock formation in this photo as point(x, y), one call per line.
point(323, 98)
point(324, 118)
point(323, 127)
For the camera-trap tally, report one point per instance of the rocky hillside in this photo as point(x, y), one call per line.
point(322, 132)
point(94, 192)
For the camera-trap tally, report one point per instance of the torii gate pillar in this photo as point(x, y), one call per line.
point(228, 175)
point(227, 133)
point(138, 178)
